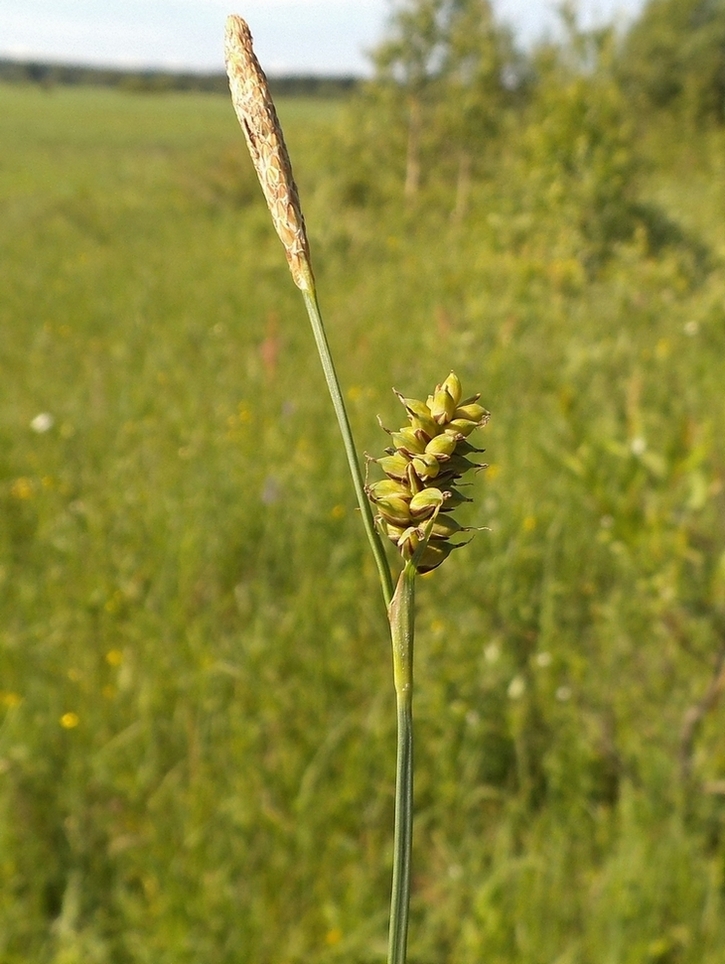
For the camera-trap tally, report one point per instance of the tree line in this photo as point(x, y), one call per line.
point(49, 75)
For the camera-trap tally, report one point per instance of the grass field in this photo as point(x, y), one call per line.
point(197, 733)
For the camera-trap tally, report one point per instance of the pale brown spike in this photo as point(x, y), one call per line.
point(257, 117)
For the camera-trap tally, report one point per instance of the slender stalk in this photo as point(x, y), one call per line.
point(441, 415)
point(254, 107)
point(401, 614)
point(333, 385)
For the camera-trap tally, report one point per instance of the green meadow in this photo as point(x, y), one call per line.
point(197, 726)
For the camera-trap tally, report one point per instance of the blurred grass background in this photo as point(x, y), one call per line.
point(197, 736)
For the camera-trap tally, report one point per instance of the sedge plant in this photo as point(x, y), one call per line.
point(412, 505)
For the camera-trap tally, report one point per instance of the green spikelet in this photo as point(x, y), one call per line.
point(422, 469)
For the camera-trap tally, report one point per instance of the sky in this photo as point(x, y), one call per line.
point(290, 36)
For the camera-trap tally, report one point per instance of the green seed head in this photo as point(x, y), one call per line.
point(442, 446)
point(426, 466)
point(471, 412)
point(425, 503)
point(452, 385)
point(442, 405)
point(394, 510)
point(415, 502)
point(425, 426)
point(461, 426)
point(385, 488)
point(409, 441)
point(395, 466)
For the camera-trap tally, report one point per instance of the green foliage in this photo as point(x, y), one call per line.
point(197, 734)
point(477, 56)
point(577, 148)
point(411, 54)
point(441, 76)
point(556, 135)
point(674, 57)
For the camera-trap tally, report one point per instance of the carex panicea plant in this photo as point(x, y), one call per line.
point(415, 501)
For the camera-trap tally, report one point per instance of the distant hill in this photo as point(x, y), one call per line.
point(154, 81)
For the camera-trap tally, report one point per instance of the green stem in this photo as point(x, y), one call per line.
point(333, 385)
point(401, 614)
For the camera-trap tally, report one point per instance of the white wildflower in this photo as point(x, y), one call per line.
point(42, 422)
